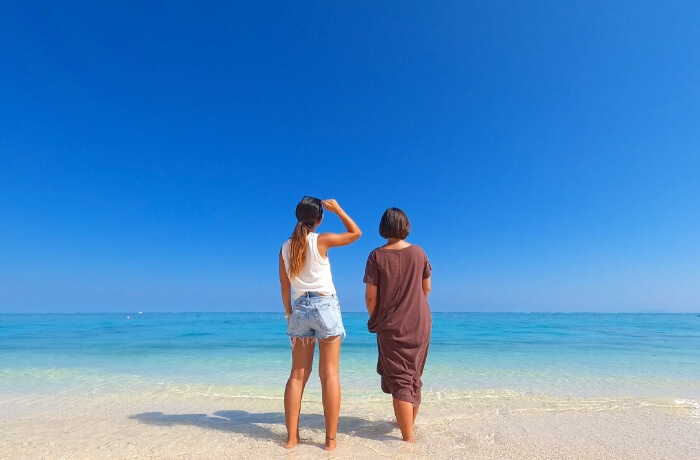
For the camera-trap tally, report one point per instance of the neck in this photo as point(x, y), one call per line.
point(396, 243)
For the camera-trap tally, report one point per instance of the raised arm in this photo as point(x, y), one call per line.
point(286, 287)
point(331, 240)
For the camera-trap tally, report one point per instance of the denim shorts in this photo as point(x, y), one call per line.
point(315, 316)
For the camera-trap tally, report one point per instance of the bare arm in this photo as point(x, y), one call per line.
point(331, 240)
point(370, 298)
point(286, 287)
point(426, 287)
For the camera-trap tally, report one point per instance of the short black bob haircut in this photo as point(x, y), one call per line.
point(394, 224)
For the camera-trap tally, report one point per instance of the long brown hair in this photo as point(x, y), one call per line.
point(309, 211)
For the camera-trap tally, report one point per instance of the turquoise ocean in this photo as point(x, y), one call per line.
point(241, 354)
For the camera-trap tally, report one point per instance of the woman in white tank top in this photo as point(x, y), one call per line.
point(305, 275)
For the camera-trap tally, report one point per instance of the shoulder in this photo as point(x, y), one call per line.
point(417, 249)
point(322, 237)
point(373, 257)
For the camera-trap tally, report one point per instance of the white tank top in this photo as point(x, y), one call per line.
point(315, 276)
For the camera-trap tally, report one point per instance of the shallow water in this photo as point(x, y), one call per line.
point(611, 355)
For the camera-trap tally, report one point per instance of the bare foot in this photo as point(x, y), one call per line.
point(292, 441)
point(330, 443)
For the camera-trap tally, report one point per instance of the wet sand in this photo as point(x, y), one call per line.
point(167, 423)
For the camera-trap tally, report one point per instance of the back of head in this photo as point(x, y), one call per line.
point(394, 224)
point(309, 211)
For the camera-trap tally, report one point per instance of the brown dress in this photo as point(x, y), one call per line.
point(401, 319)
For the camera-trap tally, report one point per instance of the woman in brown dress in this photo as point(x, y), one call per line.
point(397, 279)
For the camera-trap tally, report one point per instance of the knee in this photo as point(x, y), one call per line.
point(328, 373)
point(300, 375)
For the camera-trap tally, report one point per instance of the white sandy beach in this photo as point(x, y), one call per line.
point(198, 423)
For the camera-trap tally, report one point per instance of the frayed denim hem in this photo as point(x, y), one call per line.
point(306, 341)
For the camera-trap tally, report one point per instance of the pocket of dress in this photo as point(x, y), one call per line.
point(328, 318)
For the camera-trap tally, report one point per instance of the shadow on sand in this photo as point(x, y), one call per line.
point(239, 421)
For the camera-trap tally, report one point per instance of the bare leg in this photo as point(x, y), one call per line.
point(302, 360)
point(330, 386)
point(404, 417)
point(415, 414)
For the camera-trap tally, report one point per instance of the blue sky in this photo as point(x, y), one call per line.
point(152, 153)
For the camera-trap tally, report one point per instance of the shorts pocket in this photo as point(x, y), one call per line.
point(293, 324)
point(328, 317)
